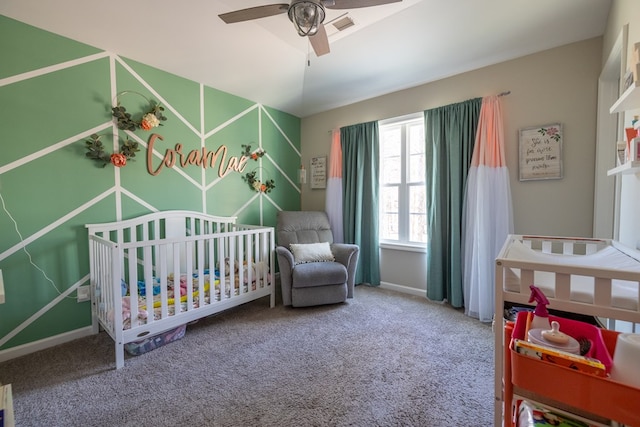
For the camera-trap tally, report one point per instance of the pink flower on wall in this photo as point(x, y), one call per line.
point(118, 160)
point(551, 132)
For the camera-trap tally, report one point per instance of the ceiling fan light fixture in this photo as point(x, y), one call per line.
point(306, 16)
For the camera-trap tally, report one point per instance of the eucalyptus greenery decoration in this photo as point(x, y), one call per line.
point(96, 151)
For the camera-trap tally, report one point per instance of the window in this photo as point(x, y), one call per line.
point(403, 215)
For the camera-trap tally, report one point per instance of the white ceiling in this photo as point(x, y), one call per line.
point(391, 47)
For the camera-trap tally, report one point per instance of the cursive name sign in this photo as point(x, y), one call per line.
point(201, 158)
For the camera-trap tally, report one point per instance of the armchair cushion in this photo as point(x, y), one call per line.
point(311, 252)
point(314, 274)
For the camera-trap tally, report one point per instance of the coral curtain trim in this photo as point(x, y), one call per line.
point(335, 159)
point(489, 146)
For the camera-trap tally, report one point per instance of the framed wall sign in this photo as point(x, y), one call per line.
point(540, 152)
point(319, 172)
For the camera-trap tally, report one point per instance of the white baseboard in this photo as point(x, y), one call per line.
point(404, 289)
point(32, 347)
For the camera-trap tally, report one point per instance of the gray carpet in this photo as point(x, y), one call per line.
point(381, 359)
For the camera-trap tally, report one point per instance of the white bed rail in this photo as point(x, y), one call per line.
point(566, 278)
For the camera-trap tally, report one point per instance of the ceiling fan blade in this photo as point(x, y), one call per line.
point(354, 4)
point(254, 13)
point(320, 41)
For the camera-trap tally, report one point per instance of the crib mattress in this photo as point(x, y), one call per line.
point(624, 294)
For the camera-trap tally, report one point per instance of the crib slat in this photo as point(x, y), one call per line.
point(148, 271)
point(188, 273)
point(163, 256)
point(247, 262)
point(239, 273)
point(133, 285)
point(175, 269)
point(602, 292)
point(223, 268)
point(563, 286)
point(526, 281)
point(591, 248)
point(200, 272)
point(212, 270)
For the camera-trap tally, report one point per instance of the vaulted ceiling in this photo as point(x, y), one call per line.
point(389, 47)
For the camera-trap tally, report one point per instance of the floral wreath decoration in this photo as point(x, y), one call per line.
point(150, 119)
point(255, 184)
point(128, 149)
point(254, 155)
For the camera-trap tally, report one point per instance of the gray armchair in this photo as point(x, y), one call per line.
point(313, 283)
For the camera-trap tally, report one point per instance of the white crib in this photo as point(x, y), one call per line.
point(180, 265)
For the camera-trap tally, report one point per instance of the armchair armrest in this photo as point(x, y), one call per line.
point(286, 255)
point(285, 264)
point(343, 252)
point(347, 255)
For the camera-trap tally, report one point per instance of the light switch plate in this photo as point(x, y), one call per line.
point(84, 293)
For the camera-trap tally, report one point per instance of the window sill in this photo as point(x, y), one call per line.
point(404, 247)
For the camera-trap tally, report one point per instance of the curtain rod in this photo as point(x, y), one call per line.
point(505, 93)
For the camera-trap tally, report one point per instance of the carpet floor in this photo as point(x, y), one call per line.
point(382, 359)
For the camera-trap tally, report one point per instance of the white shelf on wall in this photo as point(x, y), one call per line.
point(627, 168)
point(629, 100)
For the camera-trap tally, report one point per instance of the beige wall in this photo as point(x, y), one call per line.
point(557, 85)
point(626, 12)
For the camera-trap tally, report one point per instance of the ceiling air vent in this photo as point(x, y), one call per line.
point(343, 23)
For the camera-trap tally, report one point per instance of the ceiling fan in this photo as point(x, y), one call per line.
point(307, 16)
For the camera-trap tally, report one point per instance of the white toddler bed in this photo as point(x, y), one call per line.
point(160, 271)
point(595, 277)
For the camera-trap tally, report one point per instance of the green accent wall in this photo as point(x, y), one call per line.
point(55, 92)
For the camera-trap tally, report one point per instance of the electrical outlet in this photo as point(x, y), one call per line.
point(84, 293)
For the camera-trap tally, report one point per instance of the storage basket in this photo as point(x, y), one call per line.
point(137, 348)
point(600, 396)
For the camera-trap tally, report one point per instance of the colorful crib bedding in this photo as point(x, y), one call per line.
point(143, 310)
